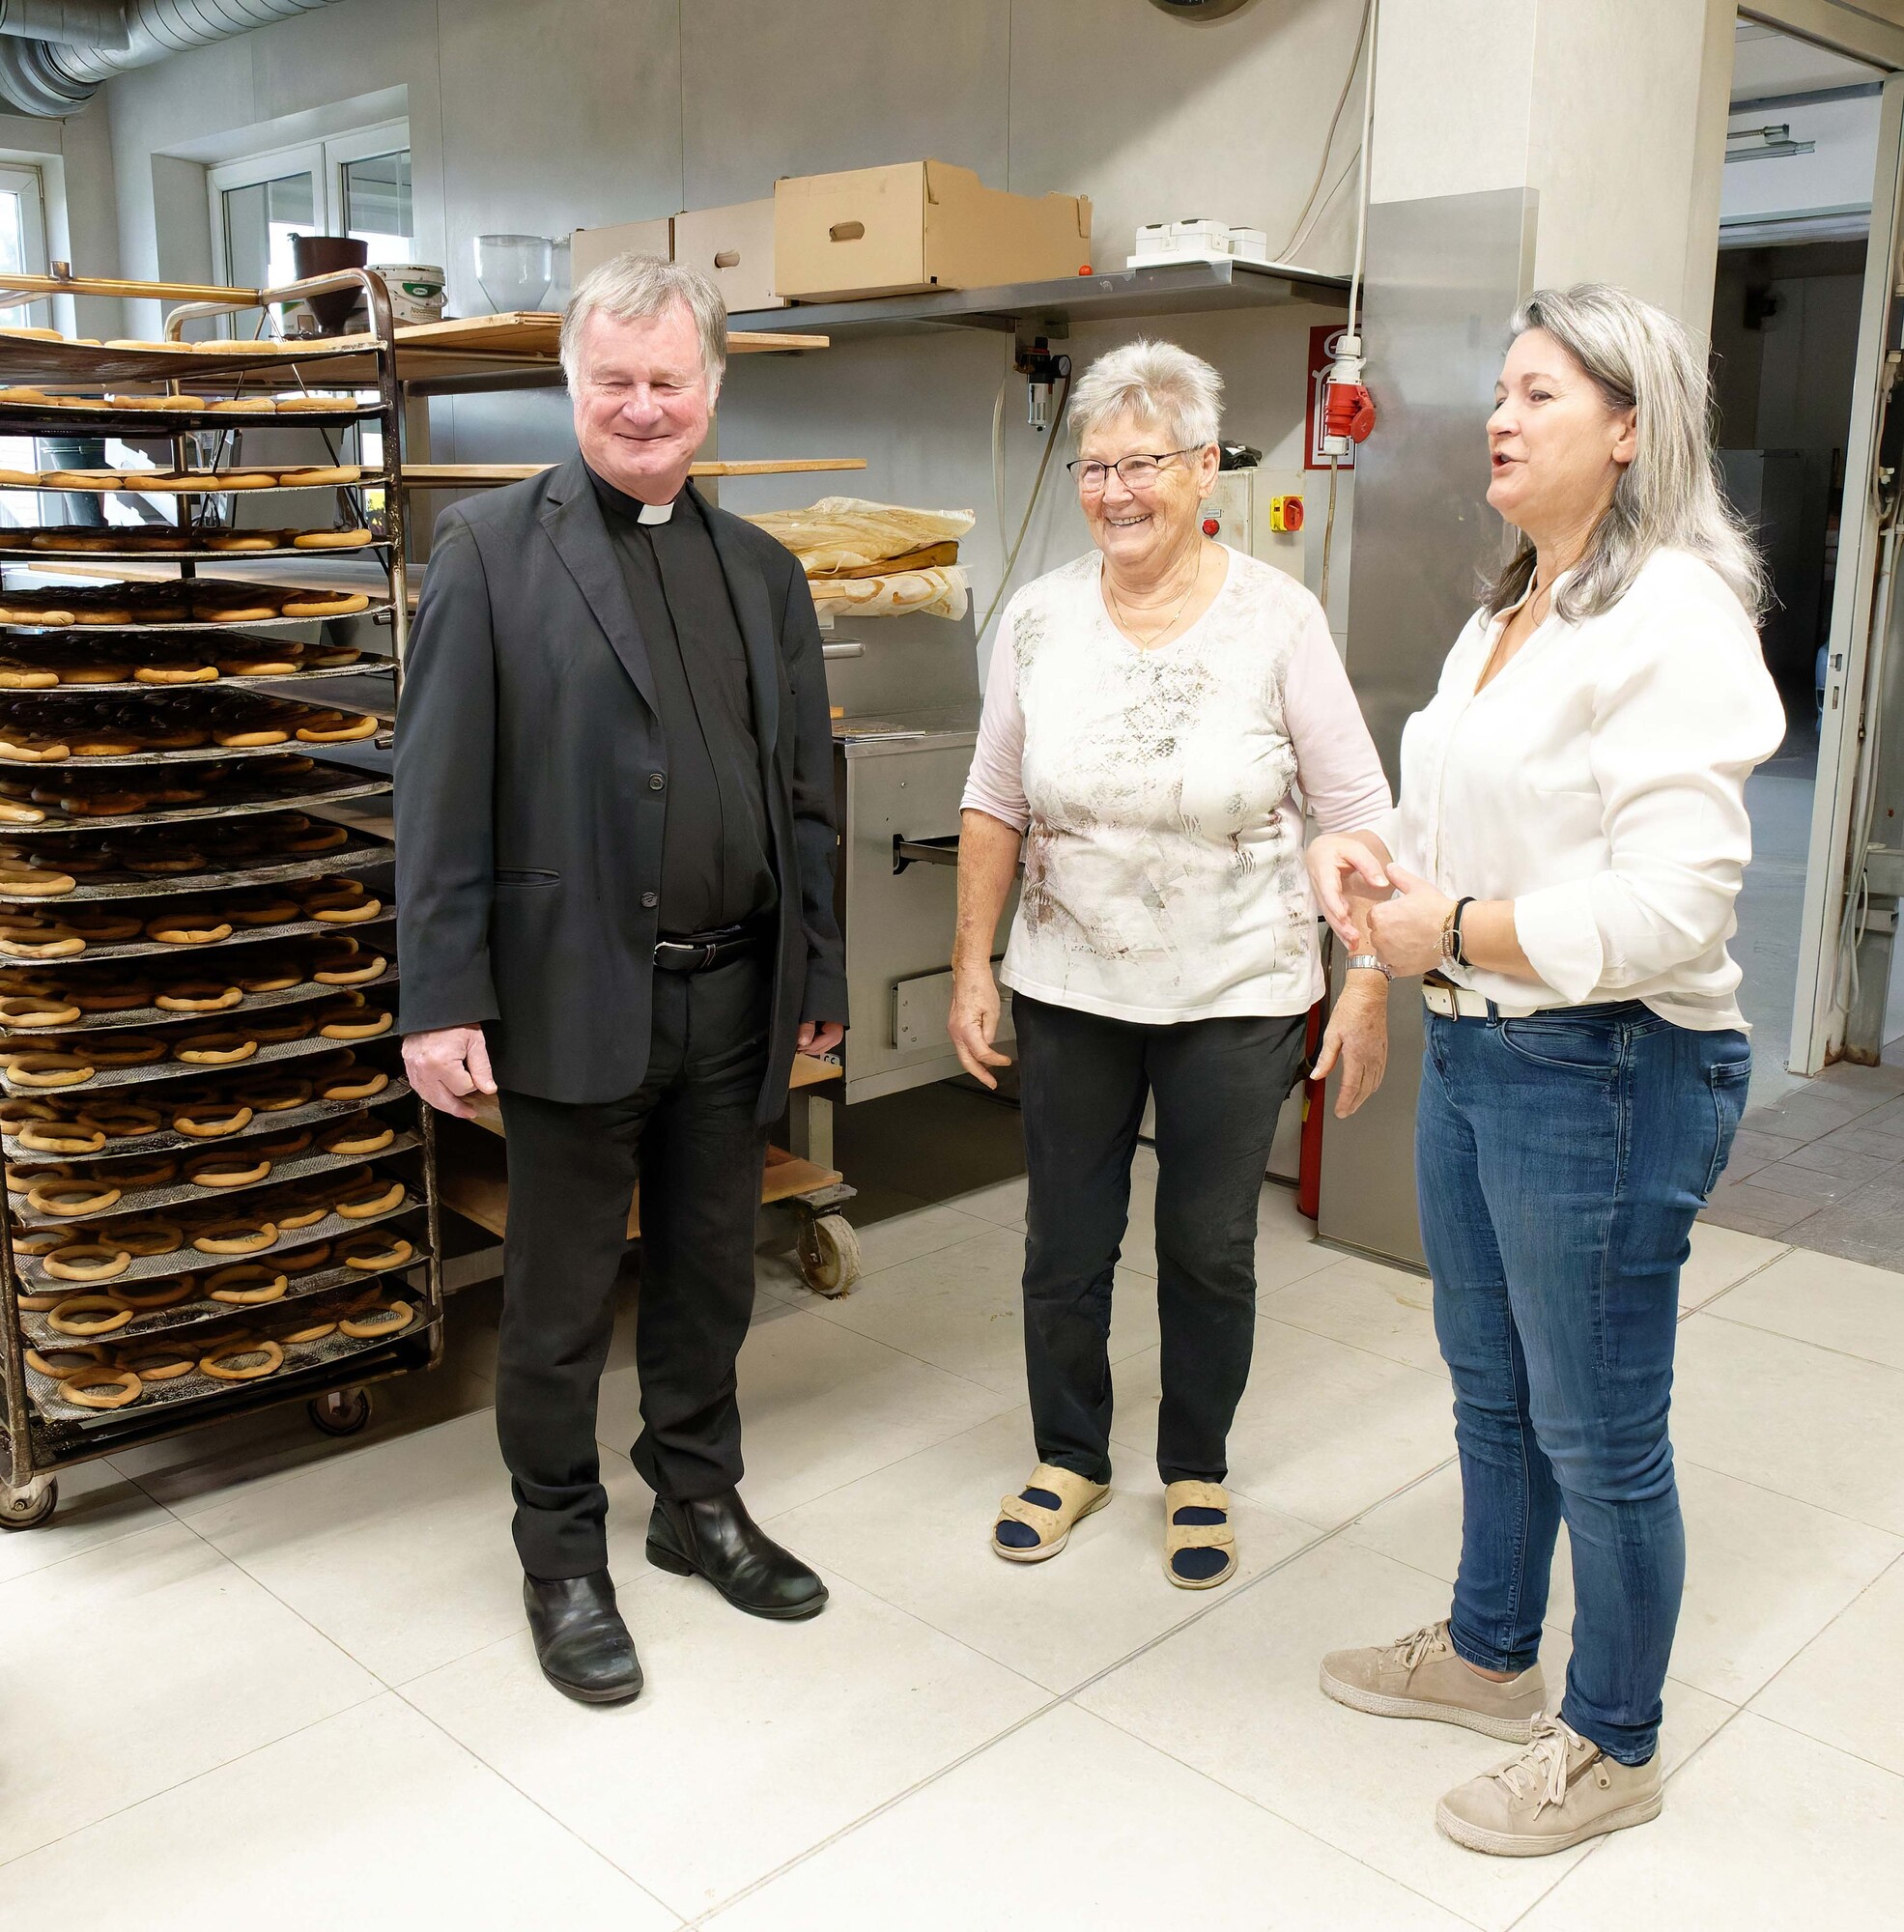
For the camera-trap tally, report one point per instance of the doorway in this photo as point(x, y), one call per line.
point(1819, 1161)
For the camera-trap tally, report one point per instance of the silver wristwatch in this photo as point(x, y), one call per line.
point(1369, 962)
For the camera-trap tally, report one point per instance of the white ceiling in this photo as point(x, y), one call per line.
point(1768, 62)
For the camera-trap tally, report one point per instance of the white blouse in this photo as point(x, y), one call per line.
point(1158, 792)
point(1599, 783)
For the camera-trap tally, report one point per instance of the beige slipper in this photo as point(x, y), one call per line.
point(1076, 1497)
point(1180, 1538)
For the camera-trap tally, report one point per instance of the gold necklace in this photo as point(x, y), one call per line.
point(1156, 637)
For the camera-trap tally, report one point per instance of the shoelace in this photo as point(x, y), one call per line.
point(1540, 1771)
point(1410, 1650)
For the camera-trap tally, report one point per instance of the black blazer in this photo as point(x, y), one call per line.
point(531, 787)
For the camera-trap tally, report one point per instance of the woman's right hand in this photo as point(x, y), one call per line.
point(973, 1022)
point(1340, 866)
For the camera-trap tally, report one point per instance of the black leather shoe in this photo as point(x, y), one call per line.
point(580, 1641)
point(716, 1538)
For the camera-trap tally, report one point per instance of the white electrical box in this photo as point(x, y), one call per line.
point(1259, 512)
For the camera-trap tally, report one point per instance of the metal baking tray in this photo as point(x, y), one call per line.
point(148, 1016)
point(150, 1200)
point(366, 666)
point(157, 949)
point(109, 1078)
point(340, 784)
point(188, 1260)
point(346, 858)
point(306, 1356)
point(151, 425)
point(51, 559)
point(168, 1140)
point(78, 632)
point(369, 479)
point(192, 754)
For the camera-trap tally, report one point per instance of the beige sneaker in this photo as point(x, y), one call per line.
point(1561, 1790)
point(1421, 1675)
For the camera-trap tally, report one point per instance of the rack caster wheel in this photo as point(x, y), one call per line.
point(30, 1507)
point(339, 1411)
point(829, 1253)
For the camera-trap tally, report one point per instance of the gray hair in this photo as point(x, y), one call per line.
point(1669, 495)
point(1155, 381)
point(631, 288)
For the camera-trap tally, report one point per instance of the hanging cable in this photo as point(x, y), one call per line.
point(998, 457)
point(1368, 141)
point(1297, 232)
point(1037, 489)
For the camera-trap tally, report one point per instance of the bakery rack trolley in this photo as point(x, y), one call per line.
point(325, 1173)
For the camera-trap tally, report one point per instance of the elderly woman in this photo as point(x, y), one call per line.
point(1570, 836)
point(1152, 712)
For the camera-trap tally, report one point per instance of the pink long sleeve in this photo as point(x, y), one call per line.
point(1336, 764)
point(996, 784)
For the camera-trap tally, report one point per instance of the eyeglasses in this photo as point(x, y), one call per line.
point(1134, 473)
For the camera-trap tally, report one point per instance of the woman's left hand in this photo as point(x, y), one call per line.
point(1404, 932)
point(1358, 1038)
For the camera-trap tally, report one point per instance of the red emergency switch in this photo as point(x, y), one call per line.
point(1211, 527)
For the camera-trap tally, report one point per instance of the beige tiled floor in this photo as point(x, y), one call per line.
point(255, 1677)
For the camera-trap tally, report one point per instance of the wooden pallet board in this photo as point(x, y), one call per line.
point(538, 332)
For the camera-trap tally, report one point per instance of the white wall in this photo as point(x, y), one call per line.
point(544, 115)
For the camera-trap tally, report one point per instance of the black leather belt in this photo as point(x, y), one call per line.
point(698, 952)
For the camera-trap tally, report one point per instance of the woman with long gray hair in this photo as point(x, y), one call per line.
point(1562, 868)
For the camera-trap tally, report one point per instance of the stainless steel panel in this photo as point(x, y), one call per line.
point(1444, 275)
point(921, 1006)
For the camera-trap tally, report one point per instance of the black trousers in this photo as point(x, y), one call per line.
point(1220, 1085)
point(690, 1135)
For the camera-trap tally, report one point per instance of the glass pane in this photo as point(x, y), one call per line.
point(260, 221)
point(13, 251)
point(377, 206)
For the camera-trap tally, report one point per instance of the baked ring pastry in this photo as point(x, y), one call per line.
point(282, 660)
point(228, 1363)
point(332, 476)
point(60, 1363)
point(146, 1170)
point(368, 1198)
point(214, 1049)
point(154, 1361)
point(147, 1234)
point(198, 995)
point(269, 1029)
point(226, 1170)
point(166, 1290)
point(332, 540)
point(352, 1083)
point(34, 881)
point(23, 1011)
point(43, 939)
point(12, 811)
point(212, 1119)
point(276, 1094)
point(257, 909)
point(317, 839)
point(357, 1136)
point(252, 738)
point(89, 1315)
point(184, 928)
point(246, 1284)
point(370, 1251)
point(49, 1069)
point(306, 1261)
point(384, 1318)
point(101, 928)
point(103, 1386)
point(285, 1146)
point(236, 1235)
point(344, 912)
point(126, 1049)
point(351, 968)
point(113, 996)
point(174, 673)
point(72, 1196)
point(122, 1119)
point(270, 976)
point(312, 1331)
point(300, 1206)
point(346, 731)
point(60, 1137)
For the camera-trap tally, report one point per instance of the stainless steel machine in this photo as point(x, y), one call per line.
point(905, 699)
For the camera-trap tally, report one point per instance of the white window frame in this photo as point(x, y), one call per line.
point(24, 178)
point(323, 161)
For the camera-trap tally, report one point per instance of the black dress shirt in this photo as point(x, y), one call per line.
point(715, 868)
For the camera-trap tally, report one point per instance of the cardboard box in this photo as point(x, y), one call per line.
point(917, 226)
point(735, 245)
point(590, 247)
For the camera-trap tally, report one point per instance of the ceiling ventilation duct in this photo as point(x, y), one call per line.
point(54, 53)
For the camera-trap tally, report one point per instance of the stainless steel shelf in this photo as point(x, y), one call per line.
point(349, 859)
point(21, 1039)
point(158, 948)
point(1112, 295)
point(234, 803)
point(116, 1079)
point(236, 629)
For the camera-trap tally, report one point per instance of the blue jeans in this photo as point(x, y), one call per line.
point(1560, 1162)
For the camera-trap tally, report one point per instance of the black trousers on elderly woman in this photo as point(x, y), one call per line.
point(1220, 1085)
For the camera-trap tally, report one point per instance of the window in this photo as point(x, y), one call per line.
point(22, 234)
point(355, 184)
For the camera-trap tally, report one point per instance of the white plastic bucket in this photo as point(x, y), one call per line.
point(416, 292)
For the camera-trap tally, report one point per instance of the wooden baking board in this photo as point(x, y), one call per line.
point(484, 476)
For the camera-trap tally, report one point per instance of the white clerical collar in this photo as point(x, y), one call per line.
point(655, 513)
